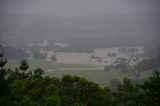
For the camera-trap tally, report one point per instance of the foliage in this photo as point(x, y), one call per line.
point(151, 88)
point(22, 87)
point(30, 88)
point(54, 58)
point(127, 94)
point(114, 84)
point(148, 64)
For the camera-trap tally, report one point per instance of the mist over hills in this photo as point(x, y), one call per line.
point(104, 30)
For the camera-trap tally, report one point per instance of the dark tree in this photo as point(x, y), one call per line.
point(4, 100)
point(38, 73)
point(24, 65)
point(3, 62)
point(54, 58)
point(151, 88)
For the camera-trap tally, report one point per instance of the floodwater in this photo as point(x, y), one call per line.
point(99, 56)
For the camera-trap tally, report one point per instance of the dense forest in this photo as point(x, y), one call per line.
point(24, 87)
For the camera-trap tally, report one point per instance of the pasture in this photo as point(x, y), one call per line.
point(92, 73)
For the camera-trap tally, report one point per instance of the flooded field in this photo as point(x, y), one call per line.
point(101, 56)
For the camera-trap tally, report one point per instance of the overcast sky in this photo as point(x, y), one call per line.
point(18, 21)
point(69, 8)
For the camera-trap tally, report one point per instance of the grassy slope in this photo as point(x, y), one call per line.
point(98, 76)
point(46, 65)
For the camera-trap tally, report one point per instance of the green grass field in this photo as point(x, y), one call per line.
point(98, 76)
point(46, 65)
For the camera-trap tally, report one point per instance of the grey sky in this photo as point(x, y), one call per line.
point(71, 8)
point(31, 19)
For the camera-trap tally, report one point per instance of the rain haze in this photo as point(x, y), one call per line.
point(28, 20)
point(100, 40)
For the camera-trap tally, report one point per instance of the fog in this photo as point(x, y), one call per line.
point(72, 8)
point(104, 41)
point(117, 22)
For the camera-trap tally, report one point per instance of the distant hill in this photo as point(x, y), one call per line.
point(119, 29)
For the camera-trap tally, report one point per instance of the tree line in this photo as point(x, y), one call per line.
point(24, 87)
